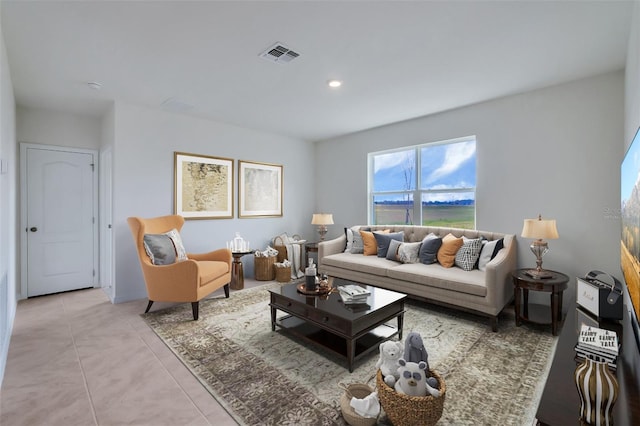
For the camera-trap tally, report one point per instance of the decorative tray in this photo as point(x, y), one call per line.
point(319, 291)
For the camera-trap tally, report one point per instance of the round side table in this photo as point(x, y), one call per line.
point(237, 271)
point(523, 283)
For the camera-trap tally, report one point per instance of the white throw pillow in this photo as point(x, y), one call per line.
point(486, 253)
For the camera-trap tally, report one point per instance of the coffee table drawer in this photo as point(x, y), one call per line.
point(289, 306)
point(322, 318)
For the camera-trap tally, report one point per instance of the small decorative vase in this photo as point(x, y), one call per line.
point(598, 389)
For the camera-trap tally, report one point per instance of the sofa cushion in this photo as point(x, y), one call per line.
point(447, 252)
point(210, 270)
point(468, 254)
point(392, 252)
point(384, 239)
point(408, 252)
point(429, 249)
point(356, 262)
point(453, 279)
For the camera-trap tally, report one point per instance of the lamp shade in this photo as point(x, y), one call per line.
point(322, 219)
point(543, 229)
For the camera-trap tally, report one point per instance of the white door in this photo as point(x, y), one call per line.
point(59, 220)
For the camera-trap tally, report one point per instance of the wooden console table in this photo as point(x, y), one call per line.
point(560, 402)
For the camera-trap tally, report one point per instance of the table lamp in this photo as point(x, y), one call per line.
point(322, 220)
point(539, 229)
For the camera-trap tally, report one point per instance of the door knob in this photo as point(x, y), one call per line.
point(33, 229)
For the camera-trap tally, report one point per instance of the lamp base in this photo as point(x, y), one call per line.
point(538, 274)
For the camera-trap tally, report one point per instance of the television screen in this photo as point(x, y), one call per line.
point(630, 216)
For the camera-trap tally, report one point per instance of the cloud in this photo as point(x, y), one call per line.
point(456, 154)
point(392, 159)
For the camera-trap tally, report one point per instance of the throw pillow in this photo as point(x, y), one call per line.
point(468, 254)
point(370, 246)
point(384, 239)
point(392, 252)
point(489, 251)
point(429, 249)
point(447, 252)
point(349, 233)
point(181, 253)
point(358, 244)
point(408, 252)
point(160, 249)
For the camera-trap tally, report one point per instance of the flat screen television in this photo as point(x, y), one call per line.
point(630, 238)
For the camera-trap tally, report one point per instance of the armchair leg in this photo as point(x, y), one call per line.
point(226, 290)
point(149, 306)
point(195, 307)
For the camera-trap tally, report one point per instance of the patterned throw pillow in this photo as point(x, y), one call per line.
point(447, 252)
point(181, 253)
point(408, 252)
point(468, 254)
point(357, 247)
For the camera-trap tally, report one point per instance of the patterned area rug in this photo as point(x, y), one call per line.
point(265, 377)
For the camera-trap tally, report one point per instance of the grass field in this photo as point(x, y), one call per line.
point(432, 215)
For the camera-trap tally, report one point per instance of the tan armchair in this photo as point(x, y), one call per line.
point(183, 281)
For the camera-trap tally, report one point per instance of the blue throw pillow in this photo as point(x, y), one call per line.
point(429, 250)
point(383, 241)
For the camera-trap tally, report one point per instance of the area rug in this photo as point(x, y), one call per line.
point(263, 377)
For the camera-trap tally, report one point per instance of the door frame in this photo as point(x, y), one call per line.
point(24, 267)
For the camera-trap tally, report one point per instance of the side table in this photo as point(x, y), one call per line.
point(555, 285)
point(237, 271)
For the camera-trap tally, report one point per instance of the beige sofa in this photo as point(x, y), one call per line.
point(484, 292)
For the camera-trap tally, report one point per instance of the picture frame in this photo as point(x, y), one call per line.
point(204, 186)
point(260, 189)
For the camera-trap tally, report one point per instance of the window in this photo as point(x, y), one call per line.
point(431, 185)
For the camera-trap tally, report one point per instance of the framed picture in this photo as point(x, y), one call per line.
point(260, 189)
point(203, 186)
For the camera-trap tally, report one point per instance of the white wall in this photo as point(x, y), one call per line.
point(632, 79)
point(554, 151)
point(50, 127)
point(8, 205)
point(144, 144)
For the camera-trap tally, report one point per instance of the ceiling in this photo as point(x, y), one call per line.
point(397, 60)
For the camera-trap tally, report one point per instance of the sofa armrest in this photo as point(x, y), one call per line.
point(498, 273)
point(326, 248)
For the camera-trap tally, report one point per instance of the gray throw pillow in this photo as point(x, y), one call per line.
point(428, 253)
point(489, 250)
point(357, 247)
point(383, 241)
point(160, 249)
point(392, 252)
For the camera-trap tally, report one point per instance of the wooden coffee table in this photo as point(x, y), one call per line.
point(348, 331)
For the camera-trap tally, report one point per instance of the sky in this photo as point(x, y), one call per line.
point(443, 166)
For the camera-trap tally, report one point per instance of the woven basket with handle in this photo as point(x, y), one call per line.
point(283, 274)
point(405, 410)
point(359, 391)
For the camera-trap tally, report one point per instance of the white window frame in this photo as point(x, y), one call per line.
point(417, 192)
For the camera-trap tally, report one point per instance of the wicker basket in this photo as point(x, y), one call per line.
point(357, 390)
point(264, 268)
point(283, 274)
point(405, 410)
point(278, 244)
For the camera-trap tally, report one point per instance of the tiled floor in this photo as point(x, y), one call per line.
point(77, 359)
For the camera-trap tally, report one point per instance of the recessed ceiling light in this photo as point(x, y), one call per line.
point(94, 85)
point(334, 83)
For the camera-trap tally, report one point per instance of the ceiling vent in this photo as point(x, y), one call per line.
point(279, 53)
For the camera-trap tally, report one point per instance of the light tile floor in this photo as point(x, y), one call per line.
point(77, 359)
